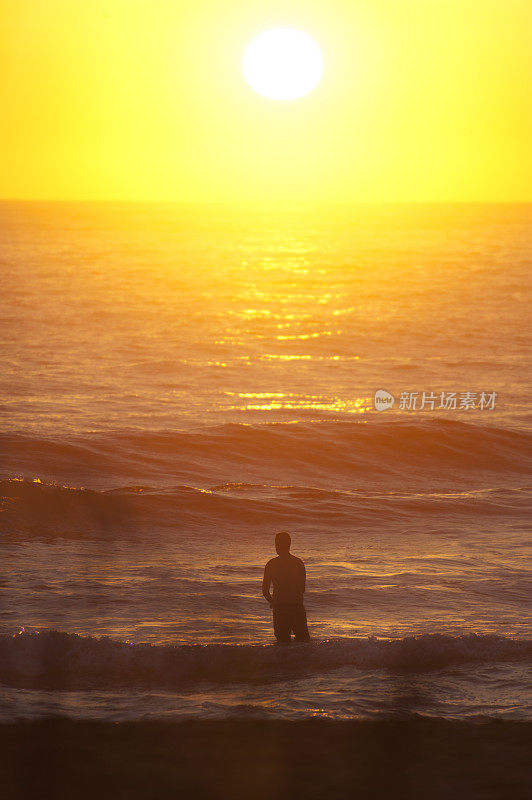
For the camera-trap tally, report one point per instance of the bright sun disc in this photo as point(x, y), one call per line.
point(282, 64)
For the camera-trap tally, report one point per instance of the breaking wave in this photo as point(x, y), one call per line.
point(56, 660)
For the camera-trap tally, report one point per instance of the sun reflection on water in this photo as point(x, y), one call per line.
point(290, 401)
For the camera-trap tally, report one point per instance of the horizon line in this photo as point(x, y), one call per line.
point(259, 203)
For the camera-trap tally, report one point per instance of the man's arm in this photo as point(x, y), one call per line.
point(266, 583)
point(303, 577)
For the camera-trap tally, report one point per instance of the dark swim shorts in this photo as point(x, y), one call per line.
point(288, 618)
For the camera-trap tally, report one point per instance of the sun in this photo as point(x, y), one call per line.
point(282, 64)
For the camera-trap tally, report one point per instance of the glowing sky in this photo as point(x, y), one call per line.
point(146, 100)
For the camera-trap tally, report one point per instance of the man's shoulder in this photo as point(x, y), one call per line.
point(299, 562)
point(272, 562)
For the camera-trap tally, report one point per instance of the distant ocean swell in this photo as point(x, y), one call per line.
point(56, 660)
point(337, 453)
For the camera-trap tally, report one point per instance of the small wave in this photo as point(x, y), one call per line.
point(34, 508)
point(57, 660)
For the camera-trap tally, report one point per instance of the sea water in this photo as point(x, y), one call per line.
point(181, 382)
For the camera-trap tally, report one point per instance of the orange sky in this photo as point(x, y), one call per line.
point(145, 100)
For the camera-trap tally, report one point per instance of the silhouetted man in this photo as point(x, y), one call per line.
point(287, 573)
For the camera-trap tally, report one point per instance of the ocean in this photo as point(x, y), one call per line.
point(181, 382)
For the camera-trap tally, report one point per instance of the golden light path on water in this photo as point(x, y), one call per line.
point(282, 298)
point(278, 401)
point(274, 300)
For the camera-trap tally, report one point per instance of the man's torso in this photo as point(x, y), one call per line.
point(287, 576)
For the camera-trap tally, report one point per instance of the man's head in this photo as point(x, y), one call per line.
point(282, 542)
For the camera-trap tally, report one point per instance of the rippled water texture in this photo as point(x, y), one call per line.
point(165, 316)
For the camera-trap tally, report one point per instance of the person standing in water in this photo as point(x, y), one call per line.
point(287, 573)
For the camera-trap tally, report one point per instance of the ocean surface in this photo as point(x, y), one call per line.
point(181, 382)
